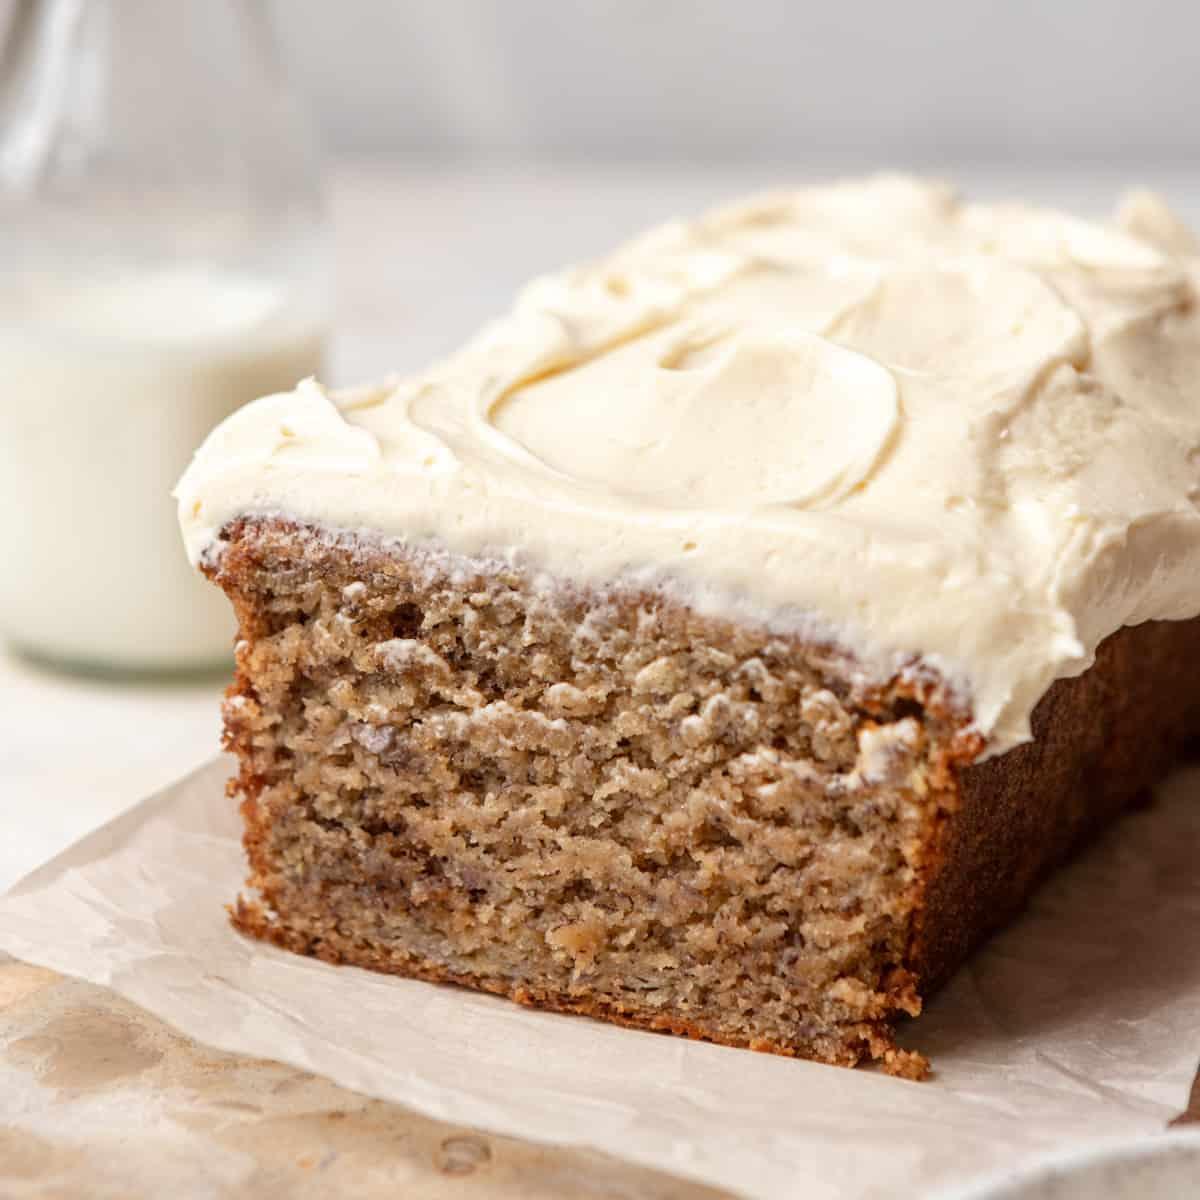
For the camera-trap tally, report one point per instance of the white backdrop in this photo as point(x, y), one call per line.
point(1038, 83)
point(1051, 82)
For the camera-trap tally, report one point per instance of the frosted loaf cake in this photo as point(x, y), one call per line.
point(733, 634)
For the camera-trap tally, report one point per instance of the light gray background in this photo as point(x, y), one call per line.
point(1051, 84)
point(921, 82)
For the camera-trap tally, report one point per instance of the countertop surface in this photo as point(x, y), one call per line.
point(423, 256)
point(113, 1105)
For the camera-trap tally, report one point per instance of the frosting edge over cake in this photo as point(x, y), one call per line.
point(959, 433)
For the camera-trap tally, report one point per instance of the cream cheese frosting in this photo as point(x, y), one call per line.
point(928, 429)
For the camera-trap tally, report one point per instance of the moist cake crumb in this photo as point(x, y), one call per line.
point(601, 802)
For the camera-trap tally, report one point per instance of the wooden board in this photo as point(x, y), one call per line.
point(99, 1099)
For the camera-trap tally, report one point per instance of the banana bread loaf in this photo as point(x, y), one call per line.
point(728, 639)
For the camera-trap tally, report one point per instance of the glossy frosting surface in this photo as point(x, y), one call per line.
point(870, 411)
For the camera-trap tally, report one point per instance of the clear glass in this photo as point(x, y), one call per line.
point(163, 259)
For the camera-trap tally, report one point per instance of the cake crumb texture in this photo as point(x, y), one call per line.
point(599, 801)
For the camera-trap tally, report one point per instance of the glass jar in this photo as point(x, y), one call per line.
point(163, 259)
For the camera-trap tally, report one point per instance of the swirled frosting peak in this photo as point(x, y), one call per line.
point(690, 433)
point(928, 429)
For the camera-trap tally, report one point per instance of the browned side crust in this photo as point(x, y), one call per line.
point(1101, 741)
point(967, 843)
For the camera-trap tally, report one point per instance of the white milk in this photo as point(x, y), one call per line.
point(106, 389)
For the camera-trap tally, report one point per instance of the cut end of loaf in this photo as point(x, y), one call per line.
point(588, 801)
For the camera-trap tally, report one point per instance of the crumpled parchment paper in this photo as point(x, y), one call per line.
point(1081, 1022)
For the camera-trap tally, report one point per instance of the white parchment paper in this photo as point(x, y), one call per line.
point(1081, 1022)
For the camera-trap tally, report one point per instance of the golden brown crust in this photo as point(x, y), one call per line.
point(1101, 740)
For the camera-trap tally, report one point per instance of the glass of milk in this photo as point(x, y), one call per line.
point(163, 260)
